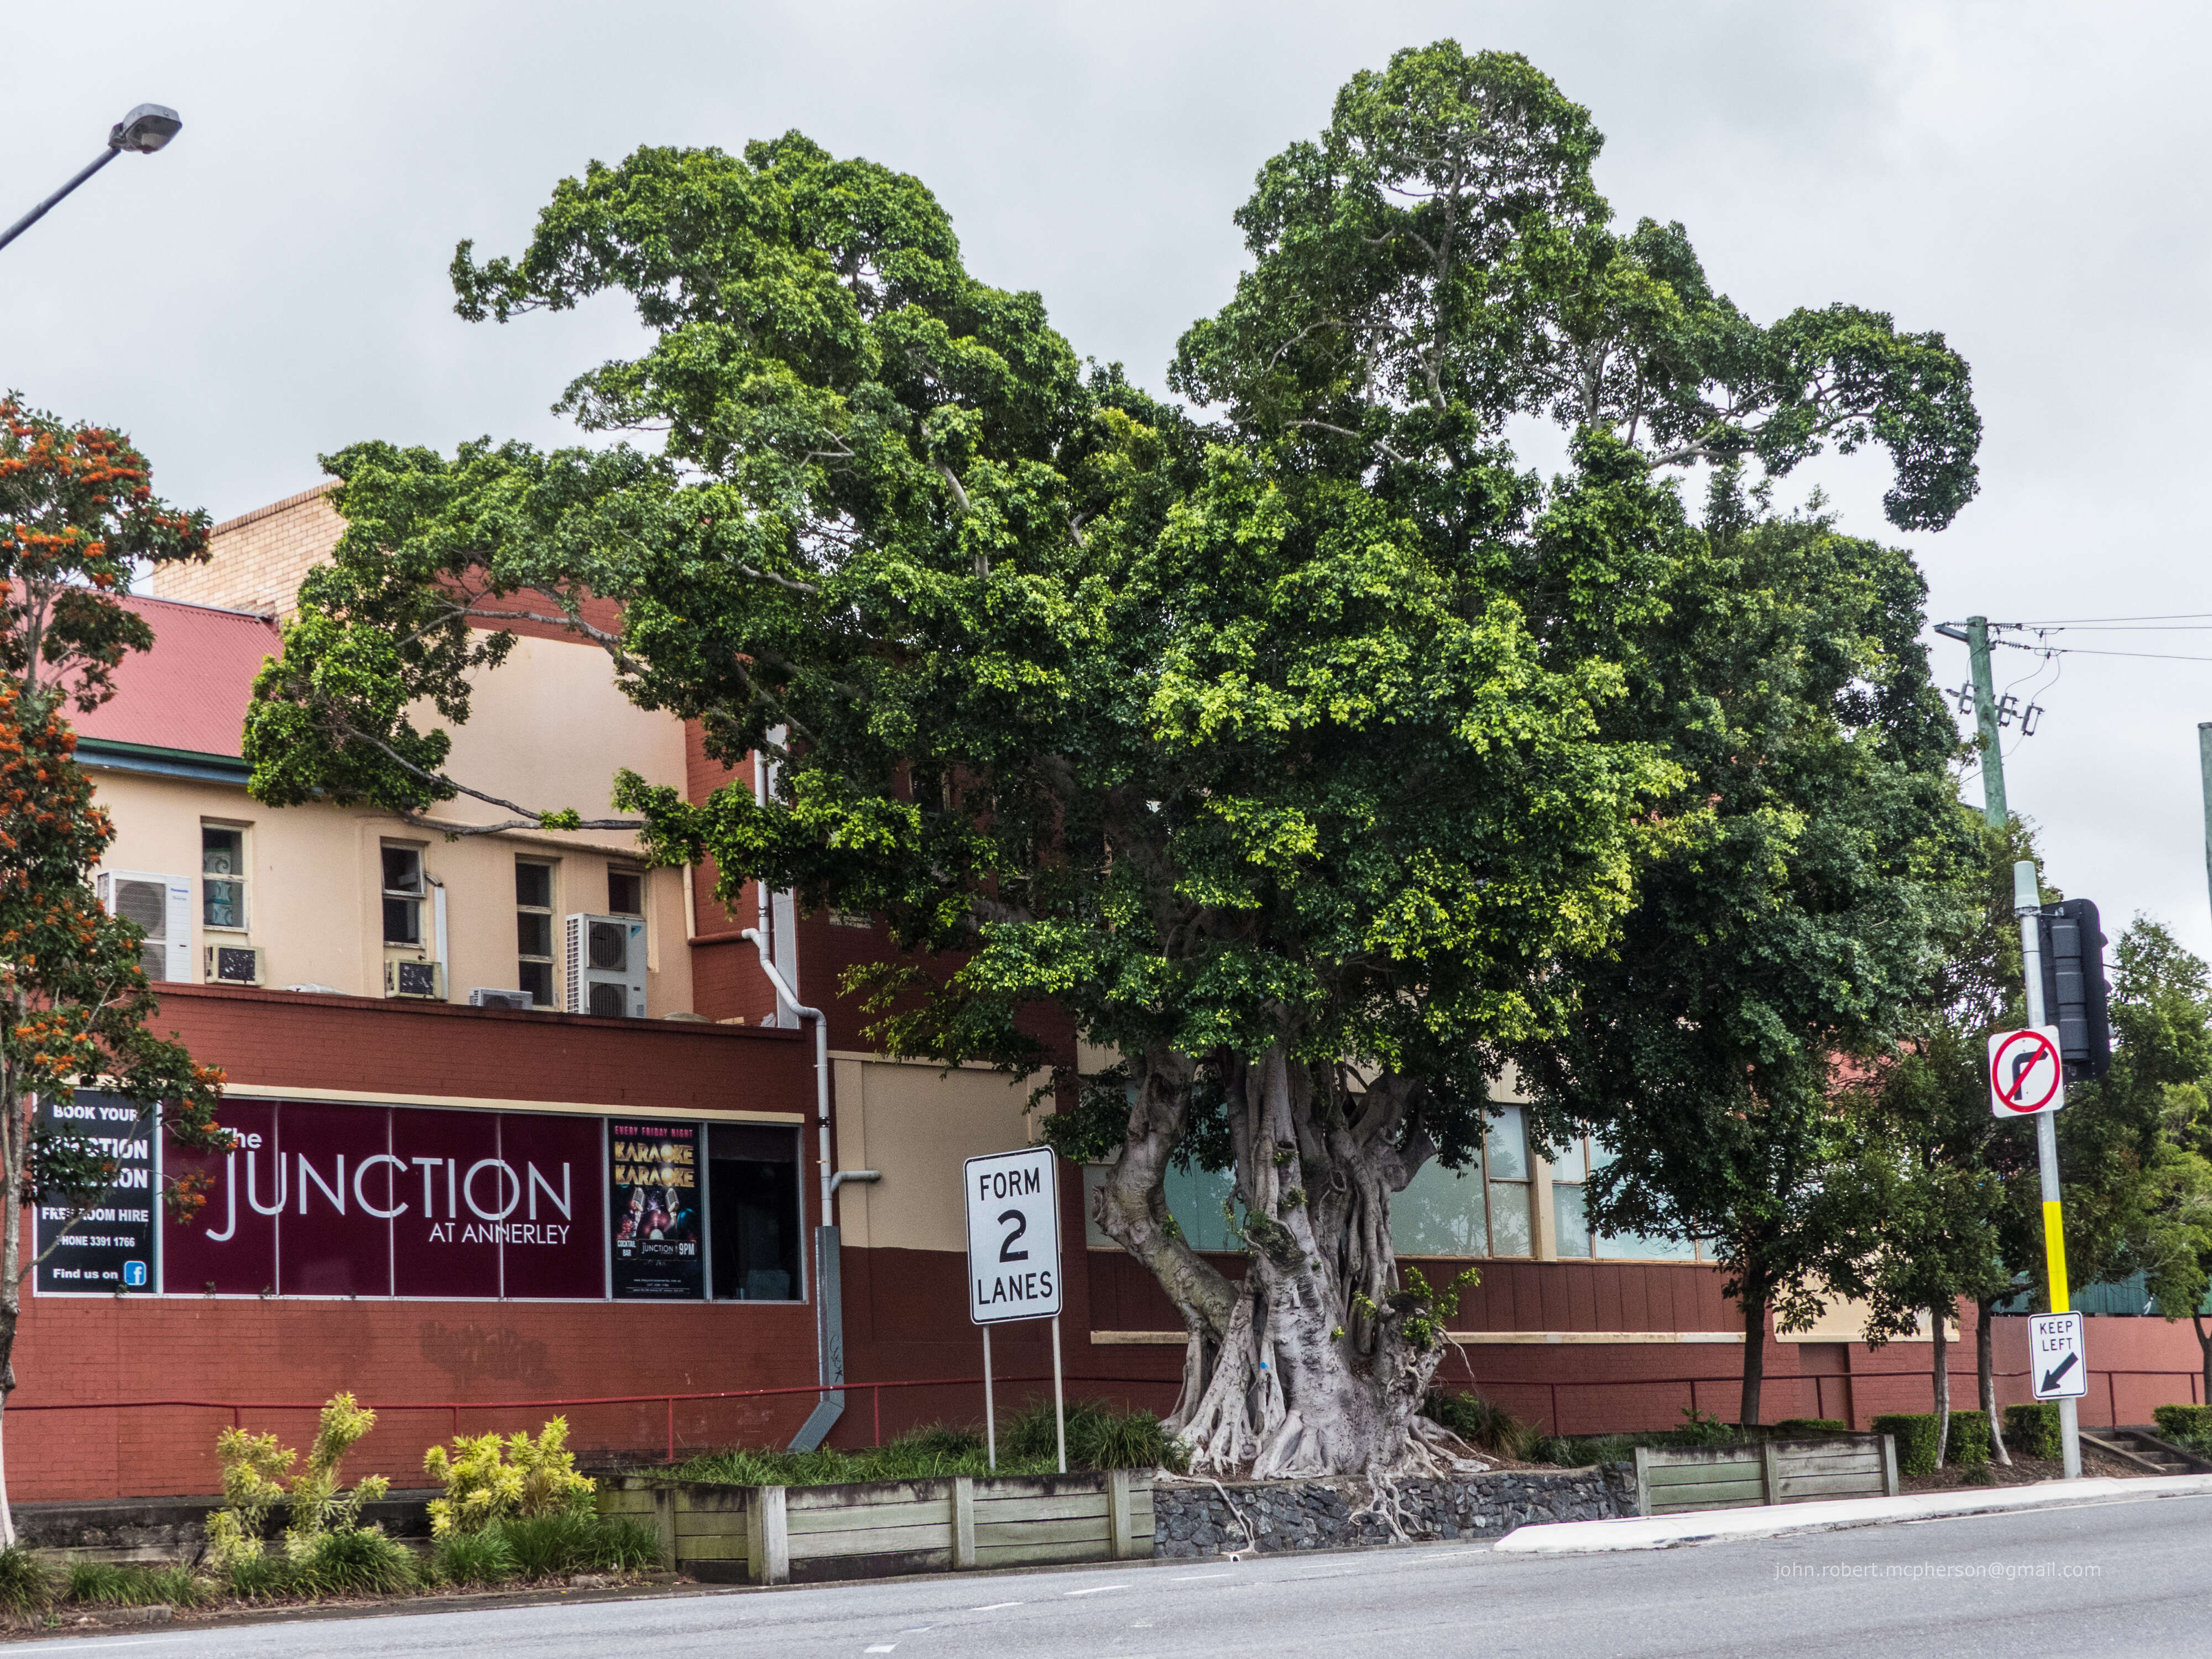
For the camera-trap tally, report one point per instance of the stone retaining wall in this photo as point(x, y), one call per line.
point(1195, 1518)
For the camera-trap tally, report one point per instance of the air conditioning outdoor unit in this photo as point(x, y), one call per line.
point(481, 998)
point(606, 966)
point(425, 982)
point(232, 965)
point(162, 908)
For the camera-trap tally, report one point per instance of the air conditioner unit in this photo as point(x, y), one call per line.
point(232, 965)
point(425, 982)
point(162, 908)
point(481, 998)
point(606, 966)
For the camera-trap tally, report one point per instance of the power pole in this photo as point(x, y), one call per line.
point(2204, 764)
point(1975, 636)
point(2027, 905)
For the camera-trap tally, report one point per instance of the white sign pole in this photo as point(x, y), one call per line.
point(1058, 1405)
point(990, 1416)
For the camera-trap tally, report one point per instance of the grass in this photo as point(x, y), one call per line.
point(108, 1583)
point(354, 1561)
point(1098, 1438)
point(1484, 1426)
point(25, 1584)
point(545, 1546)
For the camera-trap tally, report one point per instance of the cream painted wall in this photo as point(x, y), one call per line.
point(917, 1124)
point(315, 881)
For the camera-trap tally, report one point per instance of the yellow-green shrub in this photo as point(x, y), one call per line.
point(254, 1467)
point(488, 1478)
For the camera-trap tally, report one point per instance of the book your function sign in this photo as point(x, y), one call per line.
point(2026, 1073)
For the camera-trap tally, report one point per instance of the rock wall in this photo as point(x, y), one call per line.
point(1197, 1517)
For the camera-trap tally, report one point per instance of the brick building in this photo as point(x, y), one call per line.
point(446, 1207)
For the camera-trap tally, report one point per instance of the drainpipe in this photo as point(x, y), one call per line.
point(829, 1293)
point(438, 931)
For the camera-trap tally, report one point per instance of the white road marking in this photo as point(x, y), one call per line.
point(1095, 1589)
point(1186, 1577)
point(993, 1607)
point(881, 1647)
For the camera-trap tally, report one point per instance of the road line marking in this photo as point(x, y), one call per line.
point(993, 1607)
point(1186, 1577)
point(1095, 1589)
point(881, 1647)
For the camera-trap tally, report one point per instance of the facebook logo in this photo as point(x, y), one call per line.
point(134, 1274)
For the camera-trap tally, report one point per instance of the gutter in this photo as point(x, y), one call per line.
point(162, 763)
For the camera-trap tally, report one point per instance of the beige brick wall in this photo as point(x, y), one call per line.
point(259, 558)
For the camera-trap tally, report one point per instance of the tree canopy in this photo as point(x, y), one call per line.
point(1296, 755)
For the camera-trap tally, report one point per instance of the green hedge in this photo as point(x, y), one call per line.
point(1793, 1427)
point(1915, 1434)
point(2188, 1425)
point(2032, 1429)
point(1969, 1444)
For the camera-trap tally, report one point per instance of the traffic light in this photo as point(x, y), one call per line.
point(2074, 990)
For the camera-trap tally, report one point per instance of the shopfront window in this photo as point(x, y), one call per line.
point(752, 1191)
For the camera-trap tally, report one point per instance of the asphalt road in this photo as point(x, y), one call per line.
point(2131, 1578)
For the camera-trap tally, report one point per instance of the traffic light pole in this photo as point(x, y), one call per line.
point(2027, 905)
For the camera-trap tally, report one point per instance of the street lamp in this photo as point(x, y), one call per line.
point(144, 131)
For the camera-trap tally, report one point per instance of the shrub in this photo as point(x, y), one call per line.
point(357, 1560)
point(2032, 1429)
point(474, 1557)
point(625, 1545)
point(257, 1577)
point(1580, 1451)
point(488, 1479)
point(1969, 1444)
point(25, 1584)
point(253, 1470)
point(551, 1546)
point(1915, 1433)
point(1701, 1428)
point(1802, 1427)
point(2185, 1425)
point(1482, 1424)
point(109, 1584)
point(1098, 1436)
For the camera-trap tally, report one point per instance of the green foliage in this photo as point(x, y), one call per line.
point(555, 1542)
point(353, 1561)
point(1809, 1426)
point(1098, 1438)
point(257, 1577)
point(1482, 1424)
point(491, 1479)
point(474, 1557)
point(121, 1584)
point(254, 1467)
point(1968, 1445)
point(1702, 1428)
point(2032, 1429)
point(2185, 1425)
point(25, 1582)
point(1915, 1434)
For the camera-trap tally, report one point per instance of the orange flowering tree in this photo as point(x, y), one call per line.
point(75, 511)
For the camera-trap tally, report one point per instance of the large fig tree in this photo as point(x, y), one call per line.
point(1271, 751)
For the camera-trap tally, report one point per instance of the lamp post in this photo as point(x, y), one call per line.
point(144, 131)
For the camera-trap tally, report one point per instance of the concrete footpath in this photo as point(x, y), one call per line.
point(1781, 1520)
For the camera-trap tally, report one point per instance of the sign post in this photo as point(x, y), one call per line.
point(2027, 905)
point(1013, 1260)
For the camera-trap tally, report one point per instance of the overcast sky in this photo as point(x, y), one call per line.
point(2027, 179)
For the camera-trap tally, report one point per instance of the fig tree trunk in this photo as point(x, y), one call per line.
point(1315, 1363)
point(1985, 1377)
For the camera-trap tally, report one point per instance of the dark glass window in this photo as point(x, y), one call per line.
point(752, 1191)
point(533, 930)
point(403, 895)
point(625, 893)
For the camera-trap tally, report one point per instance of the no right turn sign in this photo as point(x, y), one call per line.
point(2026, 1073)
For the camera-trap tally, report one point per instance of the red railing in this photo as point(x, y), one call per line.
point(874, 1390)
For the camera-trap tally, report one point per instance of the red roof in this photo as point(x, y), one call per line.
point(190, 691)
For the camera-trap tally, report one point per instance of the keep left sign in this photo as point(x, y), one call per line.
point(1013, 1236)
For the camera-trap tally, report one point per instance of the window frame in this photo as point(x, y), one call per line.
point(615, 872)
point(550, 911)
point(387, 894)
point(241, 880)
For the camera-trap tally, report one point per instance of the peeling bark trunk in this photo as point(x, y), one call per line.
point(1312, 1369)
point(1985, 1377)
point(1941, 1380)
point(2204, 1349)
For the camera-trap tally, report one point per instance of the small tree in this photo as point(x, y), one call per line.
point(75, 511)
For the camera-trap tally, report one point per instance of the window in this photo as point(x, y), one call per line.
point(753, 1221)
point(1570, 1213)
point(625, 892)
point(222, 878)
point(403, 895)
point(1637, 1246)
point(1505, 1158)
point(533, 930)
point(1200, 1201)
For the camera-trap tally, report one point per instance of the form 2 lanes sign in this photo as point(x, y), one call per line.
point(1013, 1236)
point(2026, 1074)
